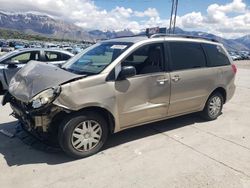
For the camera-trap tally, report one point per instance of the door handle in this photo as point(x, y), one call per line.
point(176, 78)
point(162, 81)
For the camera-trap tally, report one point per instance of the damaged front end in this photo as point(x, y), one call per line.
point(32, 92)
point(37, 121)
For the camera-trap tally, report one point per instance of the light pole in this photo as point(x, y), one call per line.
point(172, 21)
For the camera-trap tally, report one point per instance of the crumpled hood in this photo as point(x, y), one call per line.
point(36, 77)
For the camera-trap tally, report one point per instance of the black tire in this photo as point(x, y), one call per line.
point(206, 113)
point(68, 126)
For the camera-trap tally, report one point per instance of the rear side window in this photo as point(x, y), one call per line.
point(65, 57)
point(186, 55)
point(216, 55)
point(52, 56)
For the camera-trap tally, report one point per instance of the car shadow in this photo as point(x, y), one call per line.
point(151, 129)
point(15, 152)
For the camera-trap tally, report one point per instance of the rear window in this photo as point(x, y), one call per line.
point(187, 55)
point(216, 55)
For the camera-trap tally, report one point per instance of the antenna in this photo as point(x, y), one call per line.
point(172, 22)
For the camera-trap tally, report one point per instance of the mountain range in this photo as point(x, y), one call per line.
point(47, 26)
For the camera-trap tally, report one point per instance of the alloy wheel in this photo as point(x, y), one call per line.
point(214, 107)
point(86, 135)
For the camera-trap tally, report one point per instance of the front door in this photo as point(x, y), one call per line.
point(144, 97)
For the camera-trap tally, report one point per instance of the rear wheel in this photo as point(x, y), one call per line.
point(213, 107)
point(83, 135)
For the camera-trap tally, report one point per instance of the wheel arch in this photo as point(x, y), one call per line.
point(105, 113)
point(222, 91)
point(108, 116)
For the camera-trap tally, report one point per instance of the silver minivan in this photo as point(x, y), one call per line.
point(118, 84)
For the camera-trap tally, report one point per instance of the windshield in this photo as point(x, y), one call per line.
point(97, 58)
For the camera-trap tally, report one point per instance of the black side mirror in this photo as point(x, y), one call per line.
point(13, 62)
point(127, 72)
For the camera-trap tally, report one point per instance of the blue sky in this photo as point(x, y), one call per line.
point(163, 6)
point(226, 18)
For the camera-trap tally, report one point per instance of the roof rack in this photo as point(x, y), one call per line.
point(138, 35)
point(181, 36)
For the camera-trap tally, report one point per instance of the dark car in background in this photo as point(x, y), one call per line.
point(13, 61)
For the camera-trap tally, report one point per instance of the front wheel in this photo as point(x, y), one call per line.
point(83, 135)
point(213, 107)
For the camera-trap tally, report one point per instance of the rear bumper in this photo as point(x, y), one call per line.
point(230, 92)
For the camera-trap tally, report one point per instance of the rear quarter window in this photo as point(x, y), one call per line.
point(216, 55)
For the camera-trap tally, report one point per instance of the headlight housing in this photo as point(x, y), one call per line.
point(45, 97)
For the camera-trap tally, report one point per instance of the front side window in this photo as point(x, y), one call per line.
point(24, 57)
point(146, 59)
point(186, 55)
point(97, 58)
point(217, 56)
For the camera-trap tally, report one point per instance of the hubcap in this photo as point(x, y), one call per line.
point(86, 135)
point(215, 106)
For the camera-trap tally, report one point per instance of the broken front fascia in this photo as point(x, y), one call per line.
point(33, 119)
point(32, 91)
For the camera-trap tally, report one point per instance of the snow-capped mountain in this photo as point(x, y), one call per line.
point(41, 24)
point(244, 40)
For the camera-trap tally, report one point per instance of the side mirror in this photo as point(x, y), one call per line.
point(127, 72)
point(13, 62)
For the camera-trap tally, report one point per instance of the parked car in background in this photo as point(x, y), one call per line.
point(11, 62)
point(51, 46)
point(6, 48)
point(118, 84)
point(19, 46)
point(239, 55)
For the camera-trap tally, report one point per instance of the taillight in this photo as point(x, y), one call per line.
point(234, 68)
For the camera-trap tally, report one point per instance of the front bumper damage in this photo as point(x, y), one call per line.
point(33, 120)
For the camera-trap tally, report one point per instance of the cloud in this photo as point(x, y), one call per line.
point(218, 12)
point(227, 20)
point(150, 12)
point(191, 20)
point(230, 20)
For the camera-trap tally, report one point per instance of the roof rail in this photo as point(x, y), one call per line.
point(182, 36)
point(138, 35)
